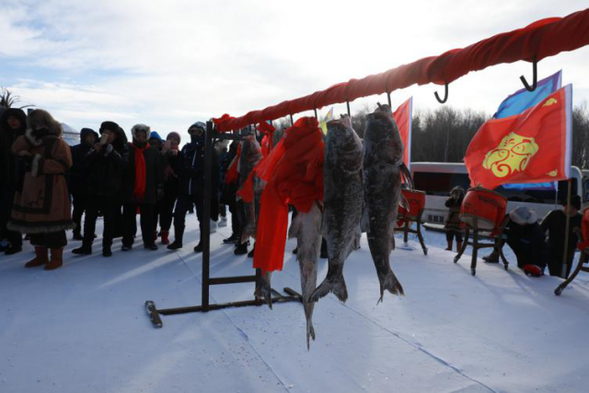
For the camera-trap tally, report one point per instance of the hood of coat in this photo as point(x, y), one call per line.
point(17, 113)
point(42, 125)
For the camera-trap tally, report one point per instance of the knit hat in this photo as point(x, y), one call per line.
point(140, 127)
point(109, 125)
point(523, 216)
point(86, 131)
point(174, 134)
point(155, 135)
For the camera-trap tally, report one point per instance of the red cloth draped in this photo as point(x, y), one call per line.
point(139, 188)
point(546, 37)
point(296, 168)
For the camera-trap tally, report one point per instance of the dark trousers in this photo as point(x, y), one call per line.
point(108, 207)
point(164, 210)
point(80, 206)
point(182, 207)
point(555, 262)
point(6, 199)
point(130, 223)
point(453, 233)
point(50, 240)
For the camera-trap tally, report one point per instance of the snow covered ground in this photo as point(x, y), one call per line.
point(83, 328)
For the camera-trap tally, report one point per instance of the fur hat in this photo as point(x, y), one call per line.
point(140, 127)
point(42, 119)
point(523, 216)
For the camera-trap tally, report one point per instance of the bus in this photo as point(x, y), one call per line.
point(438, 178)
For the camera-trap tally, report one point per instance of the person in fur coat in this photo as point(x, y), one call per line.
point(42, 208)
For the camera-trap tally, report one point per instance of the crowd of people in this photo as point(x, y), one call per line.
point(536, 245)
point(42, 178)
point(106, 175)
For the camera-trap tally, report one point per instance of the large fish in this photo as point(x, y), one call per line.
point(383, 156)
point(306, 227)
point(251, 154)
point(342, 179)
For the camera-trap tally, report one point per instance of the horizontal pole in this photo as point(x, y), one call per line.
point(227, 135)
point(245, 303)
point(231, 280)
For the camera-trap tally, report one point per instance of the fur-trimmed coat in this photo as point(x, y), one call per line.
point(43, 205)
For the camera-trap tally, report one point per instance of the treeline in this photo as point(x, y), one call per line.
point(443, 135)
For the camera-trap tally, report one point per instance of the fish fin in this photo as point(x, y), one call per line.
point(264, 291)
point(295, 226)
point(310, 334)
point(391, 284)
point(334, 284)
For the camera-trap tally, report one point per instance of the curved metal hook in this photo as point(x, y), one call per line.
point(442, 101)
point(535, 76)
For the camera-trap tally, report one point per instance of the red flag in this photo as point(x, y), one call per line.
point(403, 116)
point(534, 146)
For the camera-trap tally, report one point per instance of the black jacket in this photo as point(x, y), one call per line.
point(154, 176)
point(77, 174)
point(105, 171)
point(8, 171)
point(191, 171)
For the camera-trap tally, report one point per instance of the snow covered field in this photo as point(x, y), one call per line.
point(83, 328)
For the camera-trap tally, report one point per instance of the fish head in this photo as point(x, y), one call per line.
point(343, 147)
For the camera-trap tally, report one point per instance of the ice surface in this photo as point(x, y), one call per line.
point(83, 328)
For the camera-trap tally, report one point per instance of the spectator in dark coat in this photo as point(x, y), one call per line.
point(526, 239)
point(229, 192)
point(165, 206)
point(555, 224)
point(452, 226)
point(142, 187)
point(191, 184)
point(105, 166)
point(78, 175)
point(13, 123)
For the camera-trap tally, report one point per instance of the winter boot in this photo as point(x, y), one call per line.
point(106, 248)
point(56, 259)
point(231, 239)
point(449, 242)
point(179, 233)
point(86, 249)
point(40, 259)
point(241, 249)
point(492, 257)
point(198, 248)
point(165, 237)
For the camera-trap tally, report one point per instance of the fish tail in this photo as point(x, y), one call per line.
point(333, 283)
point(264, 291)
point(248, 231)
point(391, 284)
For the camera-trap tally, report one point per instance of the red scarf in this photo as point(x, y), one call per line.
point(139, 189)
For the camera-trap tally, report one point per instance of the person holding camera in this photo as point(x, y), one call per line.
point(42, 208)
point(452, 226)
point(105, 167)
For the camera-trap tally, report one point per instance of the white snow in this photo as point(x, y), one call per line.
point(83, 328)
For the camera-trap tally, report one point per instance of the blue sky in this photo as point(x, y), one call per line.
point(168, 64)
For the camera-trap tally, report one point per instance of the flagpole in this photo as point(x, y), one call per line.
point(566, 233)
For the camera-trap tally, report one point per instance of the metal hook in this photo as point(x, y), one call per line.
point(535, 76)
point(445, 95)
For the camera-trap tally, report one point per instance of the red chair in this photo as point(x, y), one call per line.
point(583, 246)
point(416, 201)
point(483, 213)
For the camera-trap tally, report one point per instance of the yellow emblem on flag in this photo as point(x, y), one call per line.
point(512, 155)
point(550, 101)
point(553, 173)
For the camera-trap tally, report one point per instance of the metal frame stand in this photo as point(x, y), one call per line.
point(154, 313)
